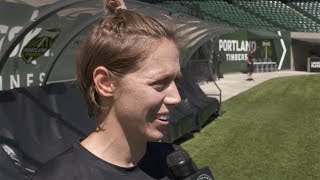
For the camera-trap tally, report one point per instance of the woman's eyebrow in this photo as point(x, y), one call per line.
point(166, 76)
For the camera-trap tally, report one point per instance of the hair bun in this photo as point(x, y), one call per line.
point(114, 5)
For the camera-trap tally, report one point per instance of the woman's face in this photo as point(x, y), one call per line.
point(145, 97)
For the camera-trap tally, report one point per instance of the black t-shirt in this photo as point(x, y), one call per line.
point(78, 163)
point(250, 57)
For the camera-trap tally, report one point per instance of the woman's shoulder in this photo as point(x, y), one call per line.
point(63, 166)
point(58, 167)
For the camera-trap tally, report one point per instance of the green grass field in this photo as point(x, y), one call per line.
point(271, 131)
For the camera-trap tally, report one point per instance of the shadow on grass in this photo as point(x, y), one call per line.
point(190, 135)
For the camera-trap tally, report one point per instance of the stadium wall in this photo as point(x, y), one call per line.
point(233, 48)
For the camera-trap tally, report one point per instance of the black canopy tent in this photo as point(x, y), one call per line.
point(74, 17)
point(38, 122)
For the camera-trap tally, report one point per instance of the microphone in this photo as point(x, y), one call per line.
point(183, 168)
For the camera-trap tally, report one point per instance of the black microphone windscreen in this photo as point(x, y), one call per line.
point(181, 164)
point(176, 157)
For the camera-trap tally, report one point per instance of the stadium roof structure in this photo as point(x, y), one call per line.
point(308, 38)
point(70, 19)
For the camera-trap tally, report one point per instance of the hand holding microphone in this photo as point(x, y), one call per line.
point(183, 168)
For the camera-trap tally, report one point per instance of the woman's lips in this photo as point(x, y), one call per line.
point(163, 119)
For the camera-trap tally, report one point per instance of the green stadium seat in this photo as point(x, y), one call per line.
point(281, 14)
point(308, 8)
point(270, 15)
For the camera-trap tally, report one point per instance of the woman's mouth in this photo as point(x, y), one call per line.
point(163, 120)
point(163, 117)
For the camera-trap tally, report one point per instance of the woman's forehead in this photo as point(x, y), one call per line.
point(166, 53)
point(166, 64)
point(163, 61)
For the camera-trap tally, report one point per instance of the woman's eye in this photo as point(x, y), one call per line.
point(160, 85)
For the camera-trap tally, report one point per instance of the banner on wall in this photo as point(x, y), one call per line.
point(271, 48)
point(235, 50)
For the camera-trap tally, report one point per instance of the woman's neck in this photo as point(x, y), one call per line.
point(111, 145)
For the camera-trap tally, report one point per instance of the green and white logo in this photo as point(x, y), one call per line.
point(266, 51)
point(39, 45)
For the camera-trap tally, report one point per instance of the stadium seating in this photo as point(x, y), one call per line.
point(281, 14)
point(190, 8)
point(270, 15)
point(233, 15)
point(216, 11)
point(309, 8)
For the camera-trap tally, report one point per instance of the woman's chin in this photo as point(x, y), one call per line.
point(156, 137)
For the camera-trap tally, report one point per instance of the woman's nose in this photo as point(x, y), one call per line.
point(172, 95)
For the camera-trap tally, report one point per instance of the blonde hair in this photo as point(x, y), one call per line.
point(118, 42)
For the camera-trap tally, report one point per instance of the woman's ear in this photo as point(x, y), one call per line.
point(103, 81)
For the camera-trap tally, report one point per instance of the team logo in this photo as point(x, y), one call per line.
point(204, 177)
point(266, 51)
point(39, 45)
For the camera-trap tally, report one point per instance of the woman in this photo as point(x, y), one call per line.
point(126, 69)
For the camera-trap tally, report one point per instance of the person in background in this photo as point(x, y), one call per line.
point(250, 66)
point(126, 69)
